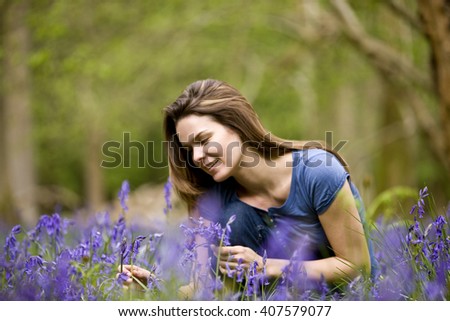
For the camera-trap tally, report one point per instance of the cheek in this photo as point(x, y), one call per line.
point(214, 148)
point(234, 153)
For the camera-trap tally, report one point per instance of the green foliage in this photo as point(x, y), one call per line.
point(104, 68)
point(391, 202)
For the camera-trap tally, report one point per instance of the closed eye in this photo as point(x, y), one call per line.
point(201, 142)
point(200, 139)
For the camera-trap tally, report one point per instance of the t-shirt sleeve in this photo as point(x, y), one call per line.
point(323, 178)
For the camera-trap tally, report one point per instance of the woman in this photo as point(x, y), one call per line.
point(285, 197)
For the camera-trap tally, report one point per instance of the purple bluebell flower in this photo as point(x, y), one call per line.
point(240, 271)
point(31, 263)
point(122, 278)
point(167, 194)
point(214, 233)
point(323, 288)
point(415, 234)
point(53, 225)
point(118, 230)
point(439, 224)
point(136, 245)
point(10, 246)
point(189, 244)
point(123, 194)
point(434, 291)
point(62, 279)
point(230, 272)
point(252, 280)
point(423, 192)
point(438, 248)
point(264, 279)
point(420, 206)
point(154, 282)
point(35, 233)
point(216, 284)
point(16, 229)
point(124, 251)
point(154, 240)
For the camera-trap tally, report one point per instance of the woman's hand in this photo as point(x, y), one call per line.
point(133, 272)
point(235, 256)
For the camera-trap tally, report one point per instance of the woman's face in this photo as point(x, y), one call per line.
point(216, 149)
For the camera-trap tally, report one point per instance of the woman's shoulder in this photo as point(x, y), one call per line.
point(315, 167)
point(315, 158)
point(320, 176)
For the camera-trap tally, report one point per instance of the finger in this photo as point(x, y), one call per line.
point(231, 265)
point(214, 249)
point(222, 270)
point(141, 273)
point(124, 268)
point(220, 253)
point(232, 250)
point(134, 270)
point(121, 268)
point(226, 252)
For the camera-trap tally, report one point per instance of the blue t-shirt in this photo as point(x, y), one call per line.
point(317, 177)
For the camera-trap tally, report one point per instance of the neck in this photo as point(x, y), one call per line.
point(260, 176)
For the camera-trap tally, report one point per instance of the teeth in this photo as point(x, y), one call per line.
point(213, 163)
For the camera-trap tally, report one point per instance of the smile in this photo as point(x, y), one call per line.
point(211, 165)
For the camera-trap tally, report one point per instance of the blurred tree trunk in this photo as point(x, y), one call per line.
point(435, 17)
point(306, 17)
point(396, 156)
point(397, 149)
point(5, 203)
point(3, 195)
point(93, 173)
point(17, 118)
point(411, 81)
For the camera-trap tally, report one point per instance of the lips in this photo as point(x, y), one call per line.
point(209, 166)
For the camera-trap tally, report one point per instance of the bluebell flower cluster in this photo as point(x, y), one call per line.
point(61, 259)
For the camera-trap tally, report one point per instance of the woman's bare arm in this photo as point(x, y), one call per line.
point(345, 233)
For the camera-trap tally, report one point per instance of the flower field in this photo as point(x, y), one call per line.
point(60, 259)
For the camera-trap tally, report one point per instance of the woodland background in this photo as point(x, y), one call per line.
point(77, 74)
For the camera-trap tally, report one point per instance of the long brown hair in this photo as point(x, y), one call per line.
point(227, 106)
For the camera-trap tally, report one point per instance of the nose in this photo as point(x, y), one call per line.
point(197, 154)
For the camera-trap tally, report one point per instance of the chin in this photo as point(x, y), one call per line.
point(220, 176)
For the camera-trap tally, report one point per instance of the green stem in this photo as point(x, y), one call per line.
point(218, 257)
